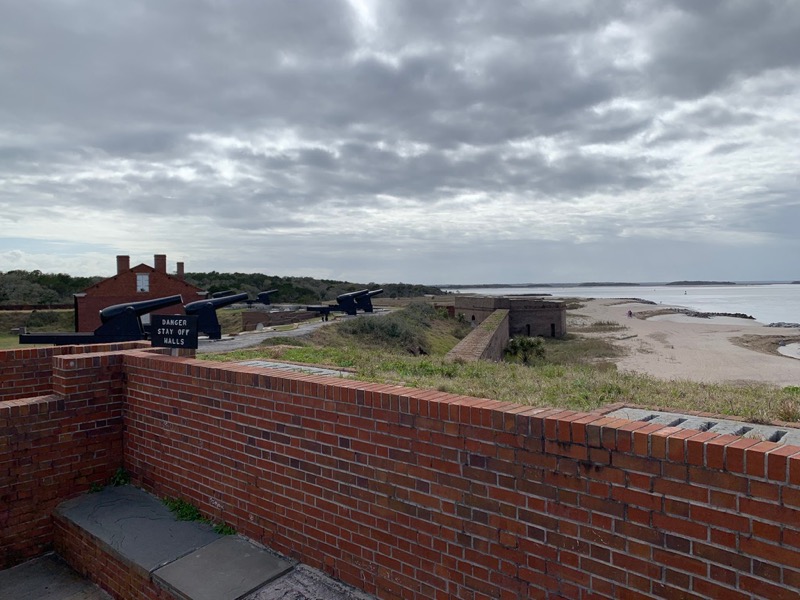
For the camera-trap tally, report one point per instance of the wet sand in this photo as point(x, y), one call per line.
point(698, 349)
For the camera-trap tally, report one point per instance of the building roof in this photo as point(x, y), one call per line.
point(100, 288)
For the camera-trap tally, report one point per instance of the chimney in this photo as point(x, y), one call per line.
point(180, 270)
point(160, 263)
point(123, 264)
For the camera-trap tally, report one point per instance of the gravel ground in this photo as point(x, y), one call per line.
point(249, 339)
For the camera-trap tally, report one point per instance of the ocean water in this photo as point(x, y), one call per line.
point(767, 303)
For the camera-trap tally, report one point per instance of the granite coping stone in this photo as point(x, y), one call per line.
point(47, 578)
point(188, 558)
point(136, 525)
point(227, 569)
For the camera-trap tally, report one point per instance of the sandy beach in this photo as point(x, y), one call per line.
point(676, 346)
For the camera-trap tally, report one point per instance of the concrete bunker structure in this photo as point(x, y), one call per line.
point(527, 315)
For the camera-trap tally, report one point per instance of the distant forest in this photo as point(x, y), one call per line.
point(300, 290)
point(35, 287)
point(695, 283)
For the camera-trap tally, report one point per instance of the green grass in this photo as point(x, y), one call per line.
point(577, 372)
point(120, 477)
point(35, 321)
point(186, 511)
point(9, 341)
point(599, 327)
point(183, 511)
point(230, 320)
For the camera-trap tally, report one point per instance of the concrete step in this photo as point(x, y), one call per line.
point(186, 558)
point(47, 578)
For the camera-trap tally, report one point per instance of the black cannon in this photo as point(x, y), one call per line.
point(206, 311)
point(120, 323)
point(222, 294)
point(261, 298)
point(348, 303)
point(364, 302)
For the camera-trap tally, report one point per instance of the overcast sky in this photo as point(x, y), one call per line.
point(425, 141)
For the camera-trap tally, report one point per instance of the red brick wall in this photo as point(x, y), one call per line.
point(486, 341)
point(527, 315)
point(52, 447)
point(420, 494)
point(411, 493)
point(102, 565)
point(122, 288)
point(27, 372)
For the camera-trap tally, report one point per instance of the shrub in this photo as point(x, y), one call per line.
point(403, 329)
point(526, 348)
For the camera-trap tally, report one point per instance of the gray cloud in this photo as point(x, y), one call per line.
point(444, 131)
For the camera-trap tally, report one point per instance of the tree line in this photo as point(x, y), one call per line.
point(300, 290)
point(35, 287)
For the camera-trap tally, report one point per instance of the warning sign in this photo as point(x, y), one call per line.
point(173, 331)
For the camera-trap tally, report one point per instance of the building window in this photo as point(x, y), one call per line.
point(143, 282)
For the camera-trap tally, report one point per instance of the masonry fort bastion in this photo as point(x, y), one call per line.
point(527, 315)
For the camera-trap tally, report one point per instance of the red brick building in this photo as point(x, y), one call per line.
point(141, 282)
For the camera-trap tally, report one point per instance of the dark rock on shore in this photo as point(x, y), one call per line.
point(708, 315)
point(640, 300)
point(784, 324)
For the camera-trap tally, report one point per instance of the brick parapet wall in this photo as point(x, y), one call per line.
point(413, 493)
point(54, 446)
point(419, 494)
point(28, 372)
point(486, 341)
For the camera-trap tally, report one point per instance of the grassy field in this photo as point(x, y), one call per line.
point(578, 372)
point(8, 341)
point(408, 348)
point(38, 320)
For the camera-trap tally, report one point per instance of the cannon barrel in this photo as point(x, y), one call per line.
point(120, 323)
point(215, 303)
point(263, 297)
point(142, 307)
point(347, 302)
point(364, 302)
point(206, 311)
point(222, 294)
point(351, 295)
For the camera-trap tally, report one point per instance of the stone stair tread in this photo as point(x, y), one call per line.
point(187, 558)
point(47, 578)
point(227, 569)
point(136, 525)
